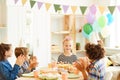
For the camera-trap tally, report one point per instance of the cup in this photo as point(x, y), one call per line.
point(64, 75)
point(54, 64)
point(36, 73)
point(49, 65)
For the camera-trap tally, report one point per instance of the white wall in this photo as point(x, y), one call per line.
point(16, 22)
point(38, 36)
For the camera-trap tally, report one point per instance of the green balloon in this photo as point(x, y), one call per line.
point(87, 28)
point(102, 21)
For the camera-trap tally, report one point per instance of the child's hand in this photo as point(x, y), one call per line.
point(82, 63)
point(20, 60)
point(79, 65)
point(33, 65)
point(33, 62)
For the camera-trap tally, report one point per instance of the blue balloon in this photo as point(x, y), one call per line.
point(110, 18)
point(86, 35)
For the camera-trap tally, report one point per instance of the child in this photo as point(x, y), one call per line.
point(28, 65)
point(67, 56)
point(96, 69)
point(6, 70)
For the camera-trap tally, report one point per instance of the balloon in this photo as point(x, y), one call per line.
point(87, 28)
point(90, 18)
point(109, 18)
point(96, 27)
point(93, 9)
point(86, 35)
point(102, 21)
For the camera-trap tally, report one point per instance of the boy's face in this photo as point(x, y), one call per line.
point(68, 45)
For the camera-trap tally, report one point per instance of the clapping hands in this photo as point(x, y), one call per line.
point(82, 63)
point(20, 60)
point(33, 62)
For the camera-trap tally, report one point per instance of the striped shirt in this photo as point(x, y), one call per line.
point(96, 70)
point(67, 59)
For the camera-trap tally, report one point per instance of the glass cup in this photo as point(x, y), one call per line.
point(64, 75)
point(49, 65)
point(36, 73)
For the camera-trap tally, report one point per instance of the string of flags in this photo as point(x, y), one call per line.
point(58, 7)
point(92, 24)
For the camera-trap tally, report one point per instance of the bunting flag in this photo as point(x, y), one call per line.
point(118, 8)
point(47, 5)
point(73, 8)
point(57, 7)
point(23, 2)
point(65, 8)
point(32, 3)
point(93, 9)
point(102, 9)
point(39, 4)
point(16, 1)
point(111, 9)
point(83, 9)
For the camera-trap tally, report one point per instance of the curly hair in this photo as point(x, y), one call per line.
point(94, 51)
point(3, 48)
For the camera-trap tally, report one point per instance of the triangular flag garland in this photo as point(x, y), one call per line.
point(32, 3)
point(118, 8)
point(16, 1)
point(73, 8)
point(23, 2)
point(93, 9)
point(83, 9)
point(102, 9)
point(111, 9)
point(39, 4)
point(65, 7)
point(47, 5)
point(57, 7)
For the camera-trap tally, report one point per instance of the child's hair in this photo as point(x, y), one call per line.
point(21, 51)
point(3, 48)
point(94, 51)
point(67, 38)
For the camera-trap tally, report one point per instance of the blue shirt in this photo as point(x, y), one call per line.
point(7, 72)
point(96, 70)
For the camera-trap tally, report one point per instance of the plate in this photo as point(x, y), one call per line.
point(28, 75)
point(48, 77)
point(73, 76)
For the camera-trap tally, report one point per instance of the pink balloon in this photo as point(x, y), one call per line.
point(93, 9)
point(90, 18)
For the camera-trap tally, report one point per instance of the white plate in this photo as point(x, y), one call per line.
point(73, 76)
point(46, 77)
point(28, 75)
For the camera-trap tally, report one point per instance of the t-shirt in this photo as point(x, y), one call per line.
point(67, 59)
point(97, 70)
